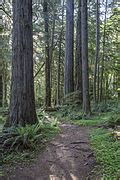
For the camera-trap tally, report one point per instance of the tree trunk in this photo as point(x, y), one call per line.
point(1, 91)
point(85, 69)
point(47, 57)
point(52, 50)
point(78, 65)
point(59, 58)
point(97, 49)
point(98, 82)
point(103, 58)
point(5, 83)
point(22, 101)
point(69, 57)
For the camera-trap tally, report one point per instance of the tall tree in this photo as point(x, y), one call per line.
point(97, 48)
point(1, 69)
point(103, 57)
point(78, 63)
point(59, 58)
point(69, 57)
point(1, 90)
point(22, 101)
point(47, 56)
point(85, 68)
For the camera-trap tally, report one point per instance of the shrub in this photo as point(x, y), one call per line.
point(107, 151)
point(114, 120)
point(23, 137)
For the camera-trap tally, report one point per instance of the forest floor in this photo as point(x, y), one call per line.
point(81, 149)
point(67, 157)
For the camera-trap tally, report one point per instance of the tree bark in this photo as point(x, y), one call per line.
point(78, 63)
point(5, 82)
point(22, 101)
point(85, 68)
point(97, 49)
point(52, 48)
point(59, 58)
point(69, 57)
point(47, 57)
point(1, 91)
point(103, 58)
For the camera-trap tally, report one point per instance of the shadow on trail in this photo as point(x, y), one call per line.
point(67, 157)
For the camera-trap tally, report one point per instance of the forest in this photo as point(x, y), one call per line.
point(59, 90)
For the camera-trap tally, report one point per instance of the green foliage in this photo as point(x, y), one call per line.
point(24, 142)
point(106, 106)
point(27, 137)
point(23, 137)
point(1, 173)
point(45, 119)
point(68, 112)
point(107, 152)
point(114, 119)
point(2, 120)
point(95, 120)
point(72, 98)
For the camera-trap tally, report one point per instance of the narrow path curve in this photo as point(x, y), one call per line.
point(67, 157)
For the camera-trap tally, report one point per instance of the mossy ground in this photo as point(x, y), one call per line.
point(106, 148)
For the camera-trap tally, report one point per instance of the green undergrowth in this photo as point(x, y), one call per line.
point(103, 114)
point(2, 121)
point(107, 152)
point(104, 119)
point(3, 112)
point(26, 142)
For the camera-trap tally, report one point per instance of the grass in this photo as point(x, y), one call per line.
point(107, 152)
point(96, 119)
point(106, 147)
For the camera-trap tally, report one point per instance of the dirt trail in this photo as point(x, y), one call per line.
point(67, 157)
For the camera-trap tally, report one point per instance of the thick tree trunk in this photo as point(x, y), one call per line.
point(22, 102)
point(85, 68)
point(97, 49)
point(47, 57)
point(69, 57)
point(78, 65)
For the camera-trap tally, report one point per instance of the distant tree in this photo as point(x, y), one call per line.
point(1, 68)
point(85, 68)
point(47, 56)
point(22, 101)
point(103, 53)
point(1, 91)
point(97, 50)
point(69, 42)
point(59, 58)
point(78, 59)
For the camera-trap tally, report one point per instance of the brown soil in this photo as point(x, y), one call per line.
point(67, 157)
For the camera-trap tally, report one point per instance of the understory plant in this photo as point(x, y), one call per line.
point(107, 152)
point(22, 137)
